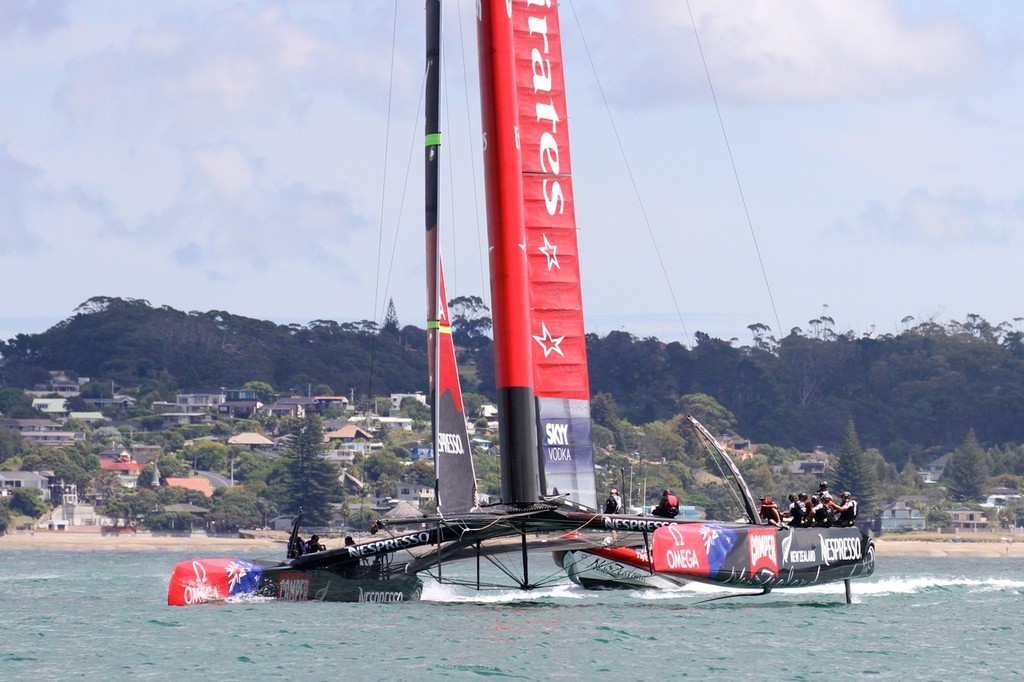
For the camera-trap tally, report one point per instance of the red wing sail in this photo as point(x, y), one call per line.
point(557, 342)
point(540, 351)
point(456, 479)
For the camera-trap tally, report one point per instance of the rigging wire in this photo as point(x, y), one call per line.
point(401, 202)
point(481, 251)
point(383, 194)
point(629, 172)
point(735, 172)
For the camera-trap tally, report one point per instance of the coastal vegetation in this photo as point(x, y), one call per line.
point(886, 405)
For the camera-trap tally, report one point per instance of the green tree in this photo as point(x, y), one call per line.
point(5, 517)
point(471, 320)
point(207, 455)
point(937, 518)
point(16, 404)
point(264, 391)
point(391, 325)
point(709, 412)
point(383, 464)
point(308, 481)
point(855, 472)
point(28, 502)
point(966, 472)
point(234, 508)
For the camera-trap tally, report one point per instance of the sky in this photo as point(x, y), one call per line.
point(857, 159)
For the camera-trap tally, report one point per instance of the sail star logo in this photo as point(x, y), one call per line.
point(549, 343)
point(551, 251)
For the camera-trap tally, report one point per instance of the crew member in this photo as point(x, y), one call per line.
point(613, 505)
point(846, 509)
point(770, 511)
point(797, 512)
point(808, 517)
point(668, 507)
point(313, 545)
point(822, 517)
point(823, 494)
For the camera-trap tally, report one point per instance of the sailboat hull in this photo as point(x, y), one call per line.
point(204, 581)
point(616, 568)
point(765, 557)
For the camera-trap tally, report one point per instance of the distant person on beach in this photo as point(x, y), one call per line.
point(613, 505)
point(668, 506)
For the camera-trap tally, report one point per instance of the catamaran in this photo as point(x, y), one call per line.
point(548, 486)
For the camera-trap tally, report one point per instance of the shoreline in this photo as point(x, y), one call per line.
point(206, 545)
point(142, 542)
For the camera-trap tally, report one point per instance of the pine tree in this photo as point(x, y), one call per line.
point(310, 482)
point(966, 472)
point(853, 472)
point(391, 319)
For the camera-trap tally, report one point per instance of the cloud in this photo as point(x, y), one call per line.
point(964, 217)
point(31, 18)
point(17, 191)
point(790, 51)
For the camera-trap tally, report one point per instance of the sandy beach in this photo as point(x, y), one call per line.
point(198, 544)
point(274, 544)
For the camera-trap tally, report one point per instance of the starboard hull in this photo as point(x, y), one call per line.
point(616, 568)
point(764, 557)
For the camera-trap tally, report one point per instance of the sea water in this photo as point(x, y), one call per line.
point(103, 616)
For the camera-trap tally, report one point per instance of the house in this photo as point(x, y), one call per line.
point(290, 407)
point(199, 483)
point(73, 515)
point(391, 423)
point(415, 494)
point(51, 407)
point(42, 431)
point(998, 497)
point(186, 418)
point(88, 417)
point(208, 401)
point(251, 439)
point(967, 520)
point(807, 466)
point(420, 450)
point(347, 434)
point(397, 398)
point(60, 384)
point(340, 458)
point(900, 516)
point(403, 510)
point(119, 402)
point(933, 472)
point(326, 402)
point(352, 485)
point(240, 403)
point(11, 480)
point(126, 470)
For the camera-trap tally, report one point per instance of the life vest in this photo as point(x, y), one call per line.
point(848, 516)
point(668, 507)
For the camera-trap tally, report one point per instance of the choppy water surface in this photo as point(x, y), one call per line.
point(103, 615)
